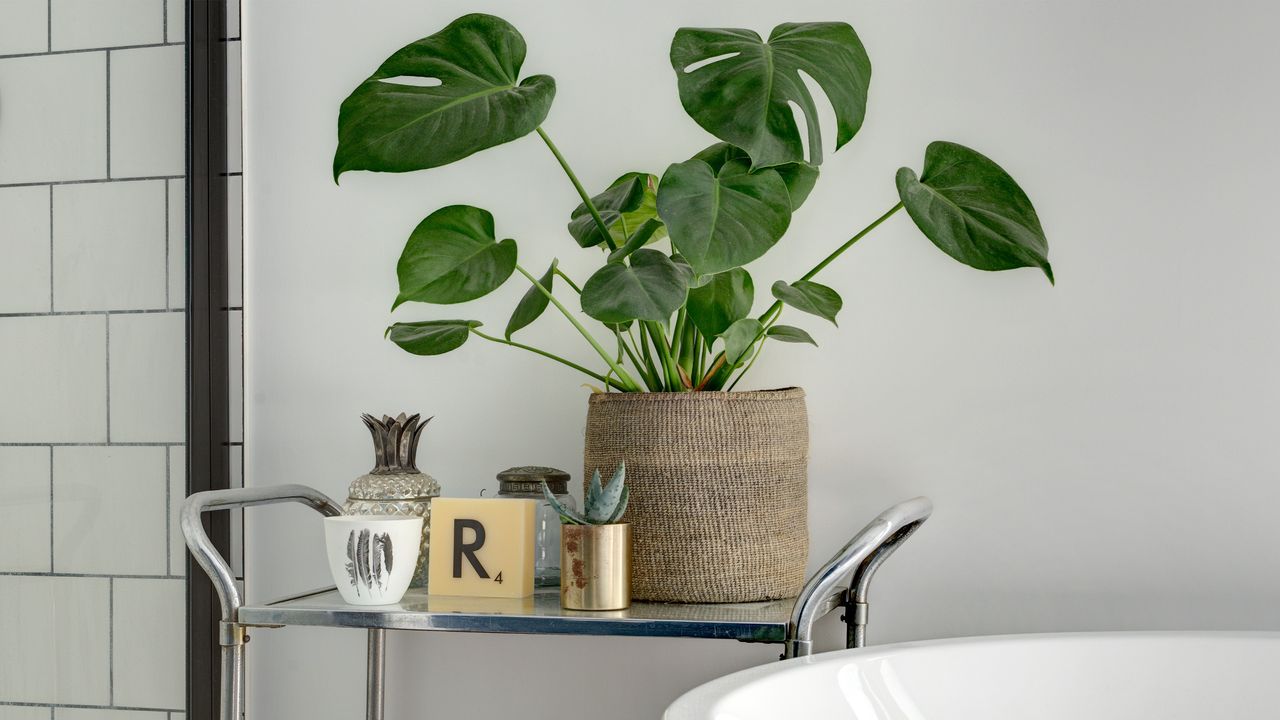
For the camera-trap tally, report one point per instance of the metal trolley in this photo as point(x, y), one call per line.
point(843, 582)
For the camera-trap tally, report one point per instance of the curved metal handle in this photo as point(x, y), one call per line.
point(853, 568)
point(207, 555)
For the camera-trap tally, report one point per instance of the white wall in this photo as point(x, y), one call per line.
point(1102, 454)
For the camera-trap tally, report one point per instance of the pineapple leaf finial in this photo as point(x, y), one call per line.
point(395, 442)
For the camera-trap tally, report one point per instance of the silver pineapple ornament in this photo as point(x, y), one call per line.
point(396, 486)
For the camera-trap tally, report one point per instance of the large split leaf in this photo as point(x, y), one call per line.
point(652, 287)
point(725, 217)
point(533, 304)
point(441, 99)
point(974, 211)
point(740, 88)
point(432, 337)
point(622, 207)
point(452, 256)
point(811, 297)
point(725, 299)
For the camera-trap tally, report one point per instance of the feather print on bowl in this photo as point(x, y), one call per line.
point(372, 557)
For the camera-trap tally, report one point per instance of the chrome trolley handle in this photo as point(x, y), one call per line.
point(855, 565)
point(230, 633)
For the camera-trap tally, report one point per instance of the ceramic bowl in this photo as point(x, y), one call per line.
point(372, 557)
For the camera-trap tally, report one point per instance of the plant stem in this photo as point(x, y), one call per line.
point(627, 380)
point(568, 280)
point(664, 354)
point(586, 199)
point(777, 304)
point(635, 360)
point(546, 354)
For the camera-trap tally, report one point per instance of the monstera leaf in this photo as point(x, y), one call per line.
point(452, 256)
point(624, 207)
point(725, 299)
point(811, 297)
point(739, 88)
point(432, 337)
point(652, 287)
point(973, 211)
point(441, 99)
point(725, 216)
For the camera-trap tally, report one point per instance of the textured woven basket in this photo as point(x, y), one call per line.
point(719, 490)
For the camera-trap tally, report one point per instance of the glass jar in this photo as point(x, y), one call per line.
point(526, 483)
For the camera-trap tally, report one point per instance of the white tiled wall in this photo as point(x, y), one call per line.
point(92, 343)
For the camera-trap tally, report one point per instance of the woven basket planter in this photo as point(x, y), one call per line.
point(719, 490)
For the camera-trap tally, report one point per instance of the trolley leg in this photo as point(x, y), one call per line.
point(232, 681)
point(377, 669)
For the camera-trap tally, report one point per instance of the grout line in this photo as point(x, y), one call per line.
point(143, 46)
point(111, 641)
point(108, 113)
point(51, 245)
point(49, 25)
point(164, 20)
point(51, 505)
point(93, 444)
point(108, 334)
point(117, 576)
point(80, 313)
point(73, 706)
point(92, 181)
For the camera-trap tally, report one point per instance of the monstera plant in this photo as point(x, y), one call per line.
point(672, 296)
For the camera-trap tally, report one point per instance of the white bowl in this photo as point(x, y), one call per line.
point(372, 557)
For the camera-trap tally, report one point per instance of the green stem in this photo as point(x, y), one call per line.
point(635, 360)
point(568, 280)
point(761, 339)
point(586, 199)
point(777, 304)
point(551, 356)
point(664, 354)
point(622, 374)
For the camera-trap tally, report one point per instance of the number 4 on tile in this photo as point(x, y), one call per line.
point(498, 578)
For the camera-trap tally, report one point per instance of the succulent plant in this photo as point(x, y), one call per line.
point(602, 505)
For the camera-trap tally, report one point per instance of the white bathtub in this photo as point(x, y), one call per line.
point(1074, 676)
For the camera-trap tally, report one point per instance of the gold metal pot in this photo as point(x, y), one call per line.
point(595, 566)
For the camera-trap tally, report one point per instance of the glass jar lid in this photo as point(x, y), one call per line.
point(529, 479)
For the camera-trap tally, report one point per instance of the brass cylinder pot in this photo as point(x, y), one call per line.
point(595, 566)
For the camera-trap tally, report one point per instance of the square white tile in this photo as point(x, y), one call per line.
point(109, 510)
point(24, 27)
point(235, 108)
point(177, 493)
point(24, 274)
point(56, 645)
point(79, 24)
point(148, 97)
point(67, 713)
point(54, 135)
point(150, 667)
point(175, 21)
point(148, 377)
point(53, 379)
point(109, 246)
point(177, 243)
point(23, 712)
point(235, 241)
point(24, 509)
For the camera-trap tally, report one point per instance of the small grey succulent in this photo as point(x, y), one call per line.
point(603, 505)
